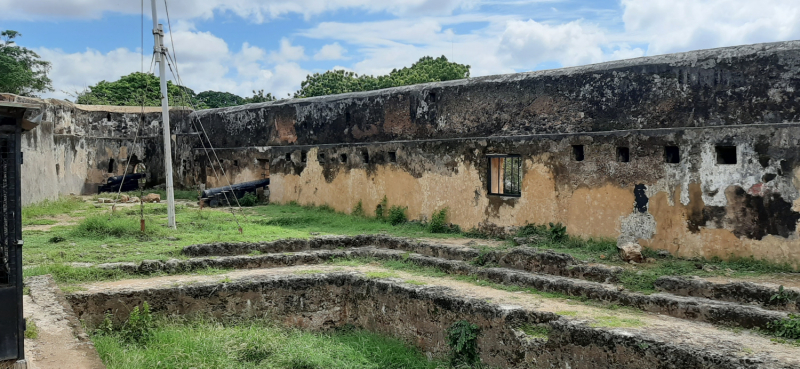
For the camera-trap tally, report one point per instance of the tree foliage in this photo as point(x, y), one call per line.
point(133, 89)
point(217, 99)
point(427, 69)
point(22, 72)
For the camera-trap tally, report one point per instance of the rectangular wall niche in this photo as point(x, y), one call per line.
point(505, 175)
point(623, 154)
point(672, 154)
point(577, 152)
point(392, 157)
point(343, 158)
point(726, 155)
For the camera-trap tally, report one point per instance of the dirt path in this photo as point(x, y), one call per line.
point(658, 327)
point(60, 344)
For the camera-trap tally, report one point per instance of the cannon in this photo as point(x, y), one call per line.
point(130, 182)
point(217, 196)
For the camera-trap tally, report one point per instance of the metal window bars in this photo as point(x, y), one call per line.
point(505, 175)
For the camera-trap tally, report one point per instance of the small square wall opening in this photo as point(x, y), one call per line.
point(288, 156)
point(303, 156)
point(365, 156)
point(623, 154)
point(321, 157)
point(726, 155)
point(577, 152)
point(343, 158)
point(672, 154)
point(392, 156)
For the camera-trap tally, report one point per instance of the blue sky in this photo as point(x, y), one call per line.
point(242, 45)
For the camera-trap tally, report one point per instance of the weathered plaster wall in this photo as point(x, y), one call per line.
point(692, 208)
point(335, 150)
point(70, 151)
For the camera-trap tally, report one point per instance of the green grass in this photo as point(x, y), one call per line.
point(103, 237)
point(31, 214)
point(31, 330)
point(536, 331)
point(616, 322)
point(40, 221)
point(382, 275)
point(67, 274)
point(179, 343)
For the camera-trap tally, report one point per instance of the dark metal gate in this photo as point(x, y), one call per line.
point(12, 326)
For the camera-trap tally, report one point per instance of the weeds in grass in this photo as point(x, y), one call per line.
point(438, 223)
point(556, 233)
point(397, 215)
point(139, 327)
point(358, 210)
point(249, 199)
point(382, 208)
point(56, 239)
point(462, 337)
point(780, 298)
point(31, 330)
point(786, 328)
point(102, 226)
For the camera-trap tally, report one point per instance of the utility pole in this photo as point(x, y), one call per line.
point(161, 51)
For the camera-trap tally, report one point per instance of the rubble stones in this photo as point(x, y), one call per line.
point(631, 252)
point(152, 197)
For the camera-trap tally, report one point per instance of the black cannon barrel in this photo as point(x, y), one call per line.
point(239, 187)
point(128, 177)
point(127, 186)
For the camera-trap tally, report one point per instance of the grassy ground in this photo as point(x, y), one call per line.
point(100, 236)
point(176, 343)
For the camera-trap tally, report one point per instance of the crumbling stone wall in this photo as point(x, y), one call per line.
point(419, 315)
point(426, 147)
point(71, 150)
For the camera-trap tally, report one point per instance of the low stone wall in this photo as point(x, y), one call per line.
point(523, 258)
point(418, 314)
point(691, 308)
point(739, 292)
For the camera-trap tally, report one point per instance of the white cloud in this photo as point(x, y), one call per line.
point(527, 44)
point(205, 63)
point(332, 51)
point(70, 71)
point(495, 43)
point(288, 52)
point(254, 10)
point(682, 25)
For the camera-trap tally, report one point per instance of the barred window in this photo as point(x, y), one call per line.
point(505, 175)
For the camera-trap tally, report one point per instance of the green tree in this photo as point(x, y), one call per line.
point(22, 72)
point(259, 97)
point(217, 99)
point(133, 89)
point(427, 69)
